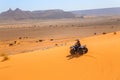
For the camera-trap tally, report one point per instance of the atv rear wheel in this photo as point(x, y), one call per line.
point(72, 51)
point(80, 51)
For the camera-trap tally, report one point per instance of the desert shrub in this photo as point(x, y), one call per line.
point(72, 25)
point(112, 26)
point(20, 37)
point(34, 25)
point(40, 40)
point(50, 25)
point(15, 42)
point(5, 57)
point(11, 44)
point(56, 44)
point(114, 33)
point(95, 33)
point(26, 37)
point(104, 33)
point(51, 39)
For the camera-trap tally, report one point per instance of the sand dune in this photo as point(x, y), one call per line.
point(100, 63)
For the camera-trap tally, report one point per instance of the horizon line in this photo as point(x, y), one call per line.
point(59, 9)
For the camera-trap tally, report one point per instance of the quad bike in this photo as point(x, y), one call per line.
point(79, 50)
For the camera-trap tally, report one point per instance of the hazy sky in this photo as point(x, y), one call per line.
point(57, 4)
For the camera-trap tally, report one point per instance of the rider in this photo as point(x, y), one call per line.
point(77, 44)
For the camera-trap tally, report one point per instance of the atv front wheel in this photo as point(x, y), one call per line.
point(85, 50)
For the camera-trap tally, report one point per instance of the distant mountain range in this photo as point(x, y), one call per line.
point(19, 14)
point(98, 12)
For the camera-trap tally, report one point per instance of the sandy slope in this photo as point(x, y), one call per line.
point(101, 62)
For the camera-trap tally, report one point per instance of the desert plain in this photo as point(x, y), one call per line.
point(37, 49)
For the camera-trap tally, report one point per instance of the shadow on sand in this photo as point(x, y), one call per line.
point(73, 56)
point(78, 55)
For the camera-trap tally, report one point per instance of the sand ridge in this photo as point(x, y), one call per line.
point(100, 63)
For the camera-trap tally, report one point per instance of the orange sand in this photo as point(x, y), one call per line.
point(102, 62)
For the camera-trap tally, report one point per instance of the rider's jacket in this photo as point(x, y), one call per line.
point(77, 44)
